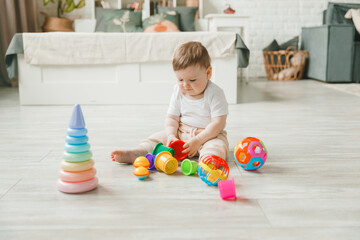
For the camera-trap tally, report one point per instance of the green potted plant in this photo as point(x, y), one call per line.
point(59, 23)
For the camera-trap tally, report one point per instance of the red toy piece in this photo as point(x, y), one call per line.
point(178, 147)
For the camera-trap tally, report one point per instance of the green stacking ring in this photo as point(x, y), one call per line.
point(77, 148)
point(159, 147)
point(77, 157)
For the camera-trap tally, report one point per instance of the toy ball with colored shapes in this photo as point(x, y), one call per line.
point(213, 169)
point(141, 172)
point(250, 153)
point(141, 162)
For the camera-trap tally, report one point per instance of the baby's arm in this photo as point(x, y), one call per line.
point(171, 127)
point(213, 129)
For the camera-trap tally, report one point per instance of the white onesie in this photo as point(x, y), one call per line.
point(198, 113)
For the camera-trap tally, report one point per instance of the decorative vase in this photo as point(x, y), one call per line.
point(229, 10)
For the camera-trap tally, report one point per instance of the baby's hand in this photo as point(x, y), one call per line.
point(192, 146)
point(170, 139)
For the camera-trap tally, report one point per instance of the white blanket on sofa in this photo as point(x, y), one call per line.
point(116, 48)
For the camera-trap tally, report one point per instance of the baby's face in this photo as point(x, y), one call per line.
point(193, 80)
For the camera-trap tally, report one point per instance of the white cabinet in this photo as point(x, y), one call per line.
point(231, 23)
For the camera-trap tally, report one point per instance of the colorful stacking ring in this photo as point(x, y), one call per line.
point(227, 189)
point(151, 159)
point(141, 162)
point(178, 147)
point(165, 162)
point(77, 176)
point(141, 172)
point(76, 132)
point(159, 147)
point(77, 157)
point(77, 148)
point(76, 140)
point(76, 167)
point(80, 187)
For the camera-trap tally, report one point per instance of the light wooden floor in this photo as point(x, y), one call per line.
point(308, 189)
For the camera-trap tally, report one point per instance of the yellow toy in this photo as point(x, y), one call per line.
point(166, 163)
point(141, 162)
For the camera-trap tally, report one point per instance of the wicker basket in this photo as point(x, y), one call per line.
point(286, 64)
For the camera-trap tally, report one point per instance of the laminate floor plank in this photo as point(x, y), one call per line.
point(309, 187)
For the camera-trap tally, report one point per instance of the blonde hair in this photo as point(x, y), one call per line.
point(190, 54)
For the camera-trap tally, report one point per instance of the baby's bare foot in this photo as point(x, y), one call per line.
point(127, 156)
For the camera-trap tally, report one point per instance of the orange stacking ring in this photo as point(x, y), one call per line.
point(165, 162)
point(141, 162)
point(77, 176)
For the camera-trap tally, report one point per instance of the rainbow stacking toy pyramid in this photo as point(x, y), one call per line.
point(77, 172)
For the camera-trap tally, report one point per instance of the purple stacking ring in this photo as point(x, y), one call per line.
point(151, 159)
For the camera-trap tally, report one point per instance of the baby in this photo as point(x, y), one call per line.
point(197, 111)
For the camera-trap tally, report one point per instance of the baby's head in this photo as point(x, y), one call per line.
point(190, 54)
point(192, 67)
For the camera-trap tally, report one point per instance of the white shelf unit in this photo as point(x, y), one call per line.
point(88, 24)
point(146, 6)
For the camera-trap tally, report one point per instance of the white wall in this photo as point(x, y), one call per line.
point(273, 19)
point(270, 19)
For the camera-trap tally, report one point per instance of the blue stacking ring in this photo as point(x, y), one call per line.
point(77, 157)
point(78, 148)
point(76, 140)
point(76, 132)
